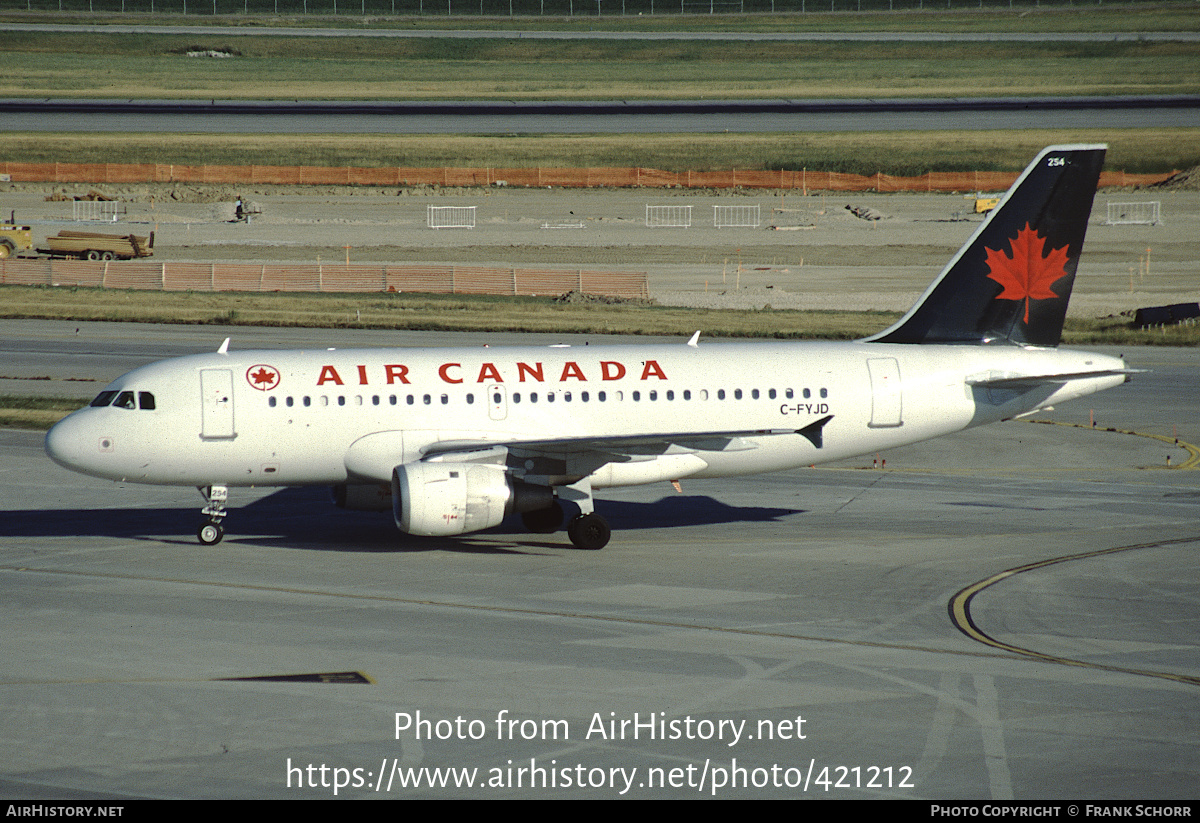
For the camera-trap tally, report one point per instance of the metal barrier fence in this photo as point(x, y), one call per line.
point(747, 217)
point(668, 217)
point(106, 210)
point(318, 277)
point(803, 180)
point(450, 217)
point(1145, 214)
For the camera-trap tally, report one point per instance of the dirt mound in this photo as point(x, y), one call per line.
point(604, 299)
point(1188, 180)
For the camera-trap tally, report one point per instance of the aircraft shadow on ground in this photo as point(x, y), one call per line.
point(307, 519)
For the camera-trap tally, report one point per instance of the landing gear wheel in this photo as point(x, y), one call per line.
point(210, 533)
point(589, 531)
point(544, 521)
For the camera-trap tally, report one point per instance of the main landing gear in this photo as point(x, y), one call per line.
point(211, 531)
point(587, 529)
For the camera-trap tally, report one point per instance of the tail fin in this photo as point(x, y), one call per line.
point(1012, 280)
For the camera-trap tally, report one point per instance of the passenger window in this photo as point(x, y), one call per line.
point(145, 400)
point(288, 402)
point(824, 393)
point(104, 398)
point(271, 402)
point(737, 394)
point(720, 394)
point(470, 399)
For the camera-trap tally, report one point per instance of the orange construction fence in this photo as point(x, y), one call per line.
point(803, 180)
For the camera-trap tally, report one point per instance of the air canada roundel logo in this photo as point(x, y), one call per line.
point(262, 377)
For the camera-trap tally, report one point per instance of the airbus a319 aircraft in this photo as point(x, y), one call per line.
point(453, 440)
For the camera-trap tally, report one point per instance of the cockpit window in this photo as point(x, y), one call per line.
point(124, 400)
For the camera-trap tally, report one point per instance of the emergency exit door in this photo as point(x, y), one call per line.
point(887, 401)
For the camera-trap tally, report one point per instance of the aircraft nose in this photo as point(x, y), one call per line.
point(66, 442)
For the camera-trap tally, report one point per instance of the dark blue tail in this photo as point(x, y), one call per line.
point(1013, 278)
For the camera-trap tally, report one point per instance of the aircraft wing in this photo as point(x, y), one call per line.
point(644, 444)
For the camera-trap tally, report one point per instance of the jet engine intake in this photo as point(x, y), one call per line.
point(439, 499)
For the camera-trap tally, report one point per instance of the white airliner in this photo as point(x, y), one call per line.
point(455, 439)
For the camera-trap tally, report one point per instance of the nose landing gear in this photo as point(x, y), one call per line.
point(211, 531)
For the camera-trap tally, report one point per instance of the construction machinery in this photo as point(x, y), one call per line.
point(14, 238)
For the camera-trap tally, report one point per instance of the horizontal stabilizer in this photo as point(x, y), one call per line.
point(1014, 382)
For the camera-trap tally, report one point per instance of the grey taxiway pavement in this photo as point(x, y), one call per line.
point(601, 117)
point(841, 632)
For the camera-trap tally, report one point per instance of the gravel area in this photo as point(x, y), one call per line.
point(806, 253)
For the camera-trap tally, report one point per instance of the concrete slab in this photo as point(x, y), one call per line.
point(678, 662)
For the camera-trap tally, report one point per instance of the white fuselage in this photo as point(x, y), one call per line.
point(283, 418)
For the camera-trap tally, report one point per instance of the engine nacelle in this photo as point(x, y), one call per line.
point(439, 499)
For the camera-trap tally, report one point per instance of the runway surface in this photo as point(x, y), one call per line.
point(807, 633)
point(596, 116)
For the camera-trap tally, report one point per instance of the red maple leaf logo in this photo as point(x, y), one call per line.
point(1030, 271)
point(263, 377)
